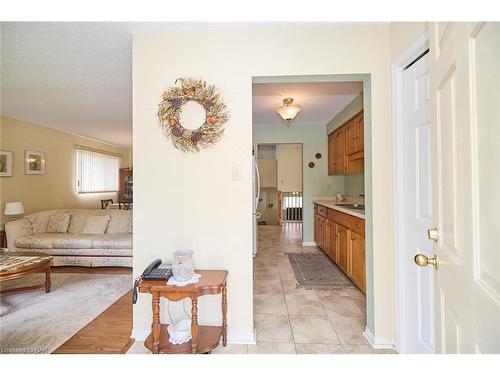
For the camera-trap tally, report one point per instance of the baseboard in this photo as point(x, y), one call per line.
point(241, 338)
point(310, 243)
point(378, 342)
point(140, 334)
point(232, 337)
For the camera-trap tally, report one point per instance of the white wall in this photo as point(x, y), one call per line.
point(175, 193)
point(403, 34)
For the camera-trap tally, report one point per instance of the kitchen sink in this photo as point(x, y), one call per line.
point(353, 206)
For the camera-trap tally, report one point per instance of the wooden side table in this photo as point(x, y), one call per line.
point(204, 338)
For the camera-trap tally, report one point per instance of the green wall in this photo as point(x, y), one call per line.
point(349, 111)
point(355, 184)
point(315, 180)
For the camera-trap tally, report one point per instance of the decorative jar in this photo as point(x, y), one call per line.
point(183, 266)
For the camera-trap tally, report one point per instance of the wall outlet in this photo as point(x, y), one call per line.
point(328, 187)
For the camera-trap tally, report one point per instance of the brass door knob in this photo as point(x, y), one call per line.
point(423, 261)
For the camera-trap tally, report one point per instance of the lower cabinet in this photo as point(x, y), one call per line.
point(344, 246)
point(358, 272)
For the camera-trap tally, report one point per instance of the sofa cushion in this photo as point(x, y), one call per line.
point(95, 224)
point(59, 222)
point(120, 221)
point(78, 218)
point(40, 220)
point(113, 241)
point(38, 241)
point(73, 241)
point(87, 252)
point(48, 241)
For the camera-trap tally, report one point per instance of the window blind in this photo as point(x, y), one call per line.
point(96, 172)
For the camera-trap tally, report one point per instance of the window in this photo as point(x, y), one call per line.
point(96, 171)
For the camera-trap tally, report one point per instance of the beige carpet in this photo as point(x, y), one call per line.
point(36, 322)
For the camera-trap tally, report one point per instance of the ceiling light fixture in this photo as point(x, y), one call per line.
point(288, 111)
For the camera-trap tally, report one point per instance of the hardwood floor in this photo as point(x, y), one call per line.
point(108, 333)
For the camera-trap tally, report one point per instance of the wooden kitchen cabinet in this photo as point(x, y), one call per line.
point(342, 238)
point(331, 154)
point(328, 236)
point(360, 132)
point(343, 248)
point(354, 135)
point(346, 147)
point(333, 250)
point(350, 139)
point(357, 250)
point(340, 159)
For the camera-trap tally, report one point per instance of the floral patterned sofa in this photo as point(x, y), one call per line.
point(72, 248)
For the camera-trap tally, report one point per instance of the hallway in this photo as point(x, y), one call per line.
point(289, 319)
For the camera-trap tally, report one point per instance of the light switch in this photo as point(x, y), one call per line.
point(236, 173)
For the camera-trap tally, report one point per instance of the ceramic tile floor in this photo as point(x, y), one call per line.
point(289, 319)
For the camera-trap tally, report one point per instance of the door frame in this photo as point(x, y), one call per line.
point(378, 342)
point(398, 67)
point(257, 144)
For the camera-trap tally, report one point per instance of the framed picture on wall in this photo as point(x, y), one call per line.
point(34, 162)
point(5, 164)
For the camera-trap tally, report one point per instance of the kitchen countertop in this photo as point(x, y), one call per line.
point(332, 202)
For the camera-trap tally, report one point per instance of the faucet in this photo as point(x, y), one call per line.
point(361, 195)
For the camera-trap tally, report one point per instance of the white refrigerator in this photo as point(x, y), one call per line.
point(255, 199)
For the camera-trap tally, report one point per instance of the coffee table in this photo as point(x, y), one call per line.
point(19, 264)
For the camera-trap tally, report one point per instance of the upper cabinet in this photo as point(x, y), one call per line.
point(289, 167)
point(346, 147)
point(268, 172)
point(336, 152)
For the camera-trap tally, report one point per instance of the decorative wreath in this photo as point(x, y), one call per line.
point(170, 109)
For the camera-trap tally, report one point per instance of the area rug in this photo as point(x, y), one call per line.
point(39, 322)
point(318, 271)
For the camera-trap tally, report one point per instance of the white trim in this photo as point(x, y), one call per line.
point(140, 334)
point(232, 337)
point(309, 243)
point(420, 45)
point(378, 342)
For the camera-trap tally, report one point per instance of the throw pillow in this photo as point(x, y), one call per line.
point(59, 222)
point(95, 224)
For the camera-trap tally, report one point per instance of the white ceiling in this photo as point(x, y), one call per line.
point(319, 102)
point(77, 77)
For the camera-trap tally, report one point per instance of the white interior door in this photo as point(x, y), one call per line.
point(465, 81)
point(417, 209)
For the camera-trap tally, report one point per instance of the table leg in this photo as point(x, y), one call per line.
point(224, 315)
point(155, 326)
point(47, 280)
point(194, 324)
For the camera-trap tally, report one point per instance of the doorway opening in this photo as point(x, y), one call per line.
point(330, 106)
point(280, 185)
